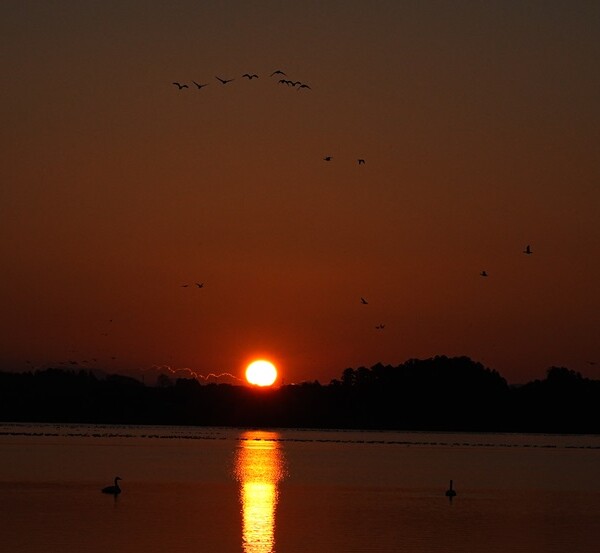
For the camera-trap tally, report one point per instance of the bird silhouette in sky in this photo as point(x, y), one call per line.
point(278, 72)
point(250, 77)
point(361, 161)
point(363, 301)
point(527, 250)
point(483, 273)
point(380, 327)
point(224, 81)
point(184, 285)
point(200, 284)
point(327, 158)
point(200, 85)
point(285, 81)
point(180, 86)
point(304, 86)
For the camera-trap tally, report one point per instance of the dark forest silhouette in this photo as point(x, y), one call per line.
point(440, 393)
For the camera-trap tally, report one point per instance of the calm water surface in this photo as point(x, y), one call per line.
point(248, 491)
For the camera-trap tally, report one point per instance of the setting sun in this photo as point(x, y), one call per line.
point(261, 373)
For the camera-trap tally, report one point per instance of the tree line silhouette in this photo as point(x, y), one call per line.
point(440, 393)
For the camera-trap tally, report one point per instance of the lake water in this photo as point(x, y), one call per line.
point(247, 491)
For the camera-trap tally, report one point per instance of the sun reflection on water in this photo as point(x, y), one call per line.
point(259, 467)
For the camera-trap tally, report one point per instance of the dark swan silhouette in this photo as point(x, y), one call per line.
point(450, 492)
point(114, 490)
point(527, 250)
point(483, 273)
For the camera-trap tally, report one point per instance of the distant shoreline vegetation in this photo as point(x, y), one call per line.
point(437, 394)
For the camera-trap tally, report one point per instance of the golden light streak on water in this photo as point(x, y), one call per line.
point(259, 467)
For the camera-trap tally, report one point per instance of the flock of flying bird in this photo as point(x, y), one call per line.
point(526, 251)
point(198, 285)
point(359, 160)
point(293, 84)
point(249, 76)
point(328, 158)
point(363, 301)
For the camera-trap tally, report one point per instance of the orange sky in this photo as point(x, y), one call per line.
point(479, 124)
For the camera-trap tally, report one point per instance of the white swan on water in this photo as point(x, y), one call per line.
point(114, 490)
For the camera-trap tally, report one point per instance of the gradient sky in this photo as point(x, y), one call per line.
point(480, 126)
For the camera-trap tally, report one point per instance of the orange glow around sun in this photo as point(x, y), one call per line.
point(261, 373)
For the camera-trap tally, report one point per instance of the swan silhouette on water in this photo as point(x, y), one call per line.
point(113, 490)
point(450, 492)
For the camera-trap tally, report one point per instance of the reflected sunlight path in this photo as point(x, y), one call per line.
point(259, 467)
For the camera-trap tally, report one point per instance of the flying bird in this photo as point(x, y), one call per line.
point(278, 72)
point(180, 86)
point(224, 81)
point(527, 250)
point(483, 273)
point(304, 86)
point(250, 77)
point(363, 301)
point(200, 85)
point(380, 327)
point(361, 161)
point(327, 158)
point(113, 490)
point(200, 284)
